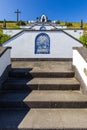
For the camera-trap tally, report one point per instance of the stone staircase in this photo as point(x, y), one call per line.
point(42, 95)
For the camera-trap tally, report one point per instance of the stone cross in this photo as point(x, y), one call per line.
point(81, 24)
point(4, 23)
point(17, 12)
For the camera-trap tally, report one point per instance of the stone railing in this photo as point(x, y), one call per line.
point(80, 66)
point(5, 63)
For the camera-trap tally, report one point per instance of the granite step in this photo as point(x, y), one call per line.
point(13, 99)
point(52, 74)
point(54, 84)
point(56, 99)
point(42, 68)
point(55, 119)
point(16, 84)
point(20, 73)
point(42, 84)
point(40, 74)
point(43, 119)
point(43, 99)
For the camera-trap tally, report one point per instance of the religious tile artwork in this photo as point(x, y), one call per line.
point(42, 44)
point(42, 28)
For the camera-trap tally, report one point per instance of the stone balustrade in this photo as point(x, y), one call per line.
point(80, 66)
point(5, 63)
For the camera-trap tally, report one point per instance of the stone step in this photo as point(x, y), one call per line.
point(54, 84)
point(22, 72)
point(43, 119)
point(16, 84)
point(56, 99)
point(43, 84)
point(14, 99)
point(52, 74)
point(43, 68)
point(43, 99)
point(11, 118)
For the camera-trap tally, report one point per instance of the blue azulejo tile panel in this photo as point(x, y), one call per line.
point(42, 44)
point(42, 28)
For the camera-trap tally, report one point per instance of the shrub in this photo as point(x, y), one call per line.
point(3, 38)
point(68, 24)
point(57, 22)
point(21, 23)
point(83, 39)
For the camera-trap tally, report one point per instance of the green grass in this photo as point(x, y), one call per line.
point(13, 24)
point(9, 25)
point(75, 25)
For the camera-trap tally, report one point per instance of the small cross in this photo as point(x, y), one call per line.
point(17, 12)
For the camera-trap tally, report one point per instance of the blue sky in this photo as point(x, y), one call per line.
point(63, 10)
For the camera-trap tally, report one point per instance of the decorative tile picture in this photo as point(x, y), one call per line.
point(42, 44)
point(42, 28)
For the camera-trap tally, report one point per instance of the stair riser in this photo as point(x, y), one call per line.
point(43, 87)
point(54, 87)
point(12, 87)
point(43, 128)
point(13, 105)
point(20, 75)
point(43, 104)
point(53, 75)
point(41, 75)
point(57, 104)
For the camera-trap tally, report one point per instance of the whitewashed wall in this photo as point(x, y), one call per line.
point(47, 27)
point(81, 65)
point(77, 33)
point(23, 45)
point(11, 32)
point(61, 27)
point(4, 61)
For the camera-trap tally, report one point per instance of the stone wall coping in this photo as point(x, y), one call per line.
point(3, 50)
point(82, 51)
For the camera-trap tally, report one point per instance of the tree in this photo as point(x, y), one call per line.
point(83, 39)
point(57, 22)
point(68, 24)
point(19, 23)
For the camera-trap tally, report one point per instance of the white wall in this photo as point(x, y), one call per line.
point(80, 64)
point(77, 33)
point(23, 45)
point(61, 27)
point(4, 61)
point(11, 32)
point(37, 27)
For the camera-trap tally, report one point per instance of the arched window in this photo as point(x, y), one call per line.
point(42, 28)
point(42, 44)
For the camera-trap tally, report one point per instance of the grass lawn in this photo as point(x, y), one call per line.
point(14, 25)
point(75, 25)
